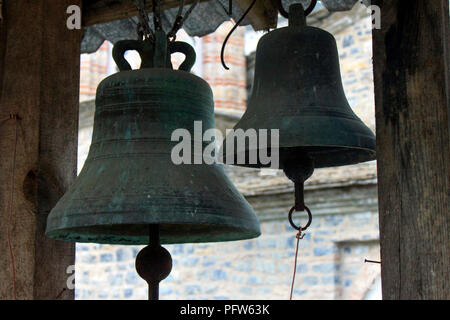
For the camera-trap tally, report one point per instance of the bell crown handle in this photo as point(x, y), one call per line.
point(144, 48)
point(187, 50)
point(153, 55)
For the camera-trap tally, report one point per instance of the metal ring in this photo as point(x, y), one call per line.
point(285, 14)
point(300, 228)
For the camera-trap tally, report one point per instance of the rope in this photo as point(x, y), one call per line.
point(299, 236)
point(222, 52)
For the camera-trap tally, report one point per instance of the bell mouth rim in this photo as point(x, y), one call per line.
point(325, 146)
point(362, 154)
point(222, 233)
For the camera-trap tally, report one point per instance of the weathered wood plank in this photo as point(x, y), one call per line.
point(263, 15)
point(39, 80)
point(411, 76)
point(95, 12)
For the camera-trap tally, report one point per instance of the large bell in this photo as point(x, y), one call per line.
point(129, 180)
point(298, 89)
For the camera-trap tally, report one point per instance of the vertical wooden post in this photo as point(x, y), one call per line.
point(412, 97)
point(39, 81)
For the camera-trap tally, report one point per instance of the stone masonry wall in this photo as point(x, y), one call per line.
point(93, 68)
point(331, 260)
point(254, 269)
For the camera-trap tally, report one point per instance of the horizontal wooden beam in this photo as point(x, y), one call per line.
point(102, 11)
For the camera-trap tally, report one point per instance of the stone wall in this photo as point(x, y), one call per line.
point(331, 264)
point(343, 233)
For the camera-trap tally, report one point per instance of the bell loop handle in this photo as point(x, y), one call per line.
point(144, 48)
point(153, 55)
point(285, 14)
point(300, 228)
point(187, 50)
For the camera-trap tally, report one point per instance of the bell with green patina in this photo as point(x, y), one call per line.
point(129, 180)
point(297, 89)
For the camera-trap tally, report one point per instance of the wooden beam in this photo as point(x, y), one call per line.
point(262, 16)
point(412, 95)
point(39, 81)
point(103, 11)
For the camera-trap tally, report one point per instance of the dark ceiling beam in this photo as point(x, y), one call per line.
point(102, 11)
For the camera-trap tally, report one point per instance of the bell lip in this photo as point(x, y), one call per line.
point(361, 143)
point(366, 154)
point(370, 155)
point(196, 223)
point(80, 234)
point(367, 148)
point(211, 225)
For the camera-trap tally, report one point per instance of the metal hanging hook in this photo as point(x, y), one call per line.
point(143, 27)
point(285, 14)
point(300, 228)
point(230, 7)
point(179, 20)
point(222, 51)
point(177, 23)
point(298, 169)
point(156, 15)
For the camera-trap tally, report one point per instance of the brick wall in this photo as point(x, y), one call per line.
point(93, 68)
point(229, 86)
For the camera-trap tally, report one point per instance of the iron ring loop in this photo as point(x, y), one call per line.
point(294, 225)
point(285, 14)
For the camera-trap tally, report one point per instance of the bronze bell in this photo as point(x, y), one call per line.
point(129, 181)
point(298, 89)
